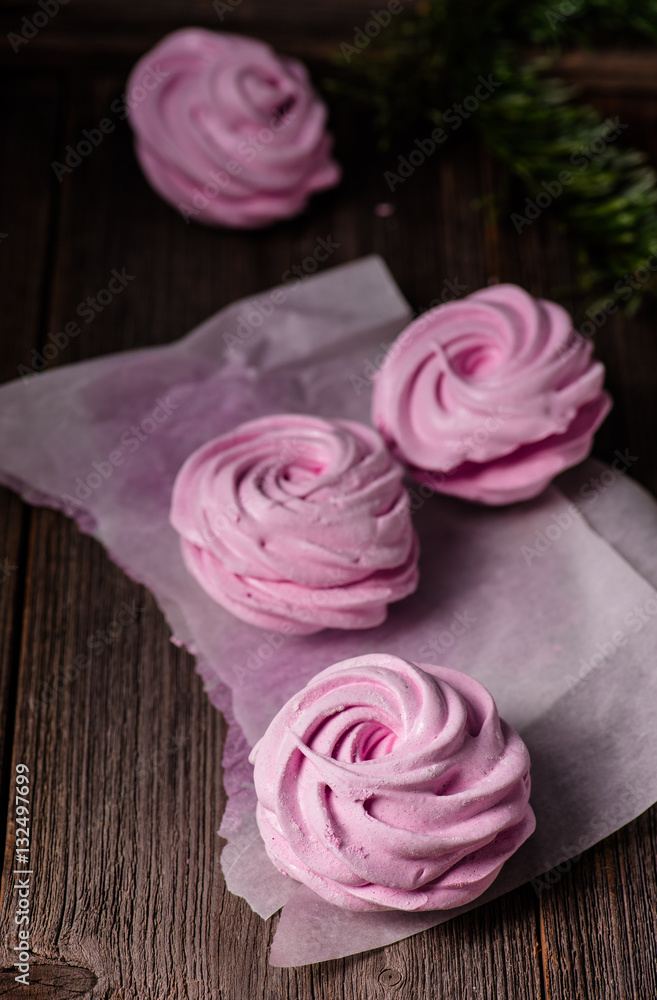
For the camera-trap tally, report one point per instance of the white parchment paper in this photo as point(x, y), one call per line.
point(551, 604)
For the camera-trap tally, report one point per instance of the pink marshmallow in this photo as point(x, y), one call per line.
point(489, 398)
point(297, 523)
point(226, 130)
point(385, 785)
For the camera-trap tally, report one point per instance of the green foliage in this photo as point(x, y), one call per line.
point(432, 56)
point(588, 22)
point(607, 201)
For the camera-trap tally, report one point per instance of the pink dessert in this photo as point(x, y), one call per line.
point(385, 785)
point(297, 523)
point(226, 130)
point(489, 398)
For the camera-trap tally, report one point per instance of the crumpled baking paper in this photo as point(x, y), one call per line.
point(551, 603)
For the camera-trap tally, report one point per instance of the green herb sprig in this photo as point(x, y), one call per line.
point(428, 59)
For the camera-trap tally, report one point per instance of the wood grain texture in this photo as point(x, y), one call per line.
point(13, 519)
point(124, 754)
point(26, 214)
point(117, 31)
point(611, 73)
point(49, 981)
point(598, 920)
point(130, 901)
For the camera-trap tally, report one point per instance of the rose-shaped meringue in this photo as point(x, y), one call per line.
point(383, 786)
point(226, 130)
point(297, 523)
point(490, 397)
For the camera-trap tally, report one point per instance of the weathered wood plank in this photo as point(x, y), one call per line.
point(118, 32)
point(48, 981)
point(25, 220)
point(492, 952)
point(119, 899)
point(12, 526)
point(126, 753)
point(124, 749)
point(597, 922)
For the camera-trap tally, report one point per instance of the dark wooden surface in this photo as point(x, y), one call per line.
point(129, 899)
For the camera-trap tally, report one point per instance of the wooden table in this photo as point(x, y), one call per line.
point(125, 759)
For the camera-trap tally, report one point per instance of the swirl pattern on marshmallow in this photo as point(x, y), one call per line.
point(489, 398)
point(297, 523)
point(227, 131)
point(382, 785)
